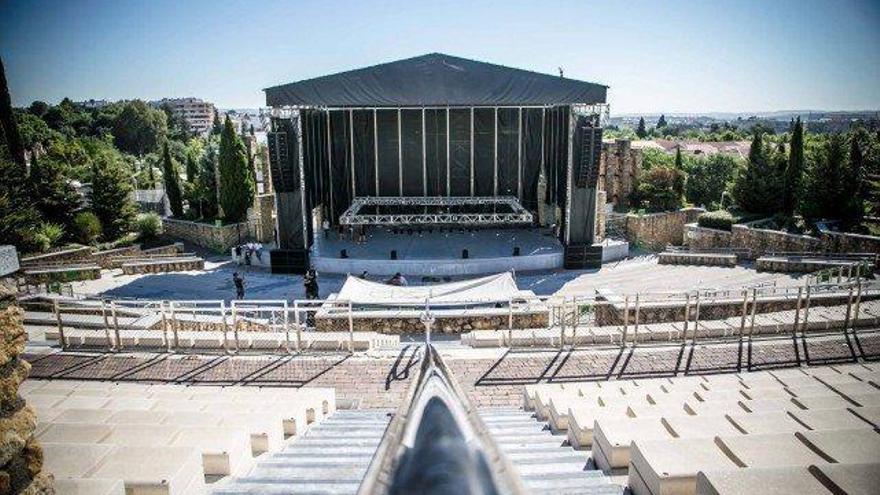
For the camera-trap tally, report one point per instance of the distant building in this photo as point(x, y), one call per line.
point(704, 148)
point(92, 104)
point(197, 113)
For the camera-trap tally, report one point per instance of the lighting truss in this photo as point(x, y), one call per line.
point(513, 212)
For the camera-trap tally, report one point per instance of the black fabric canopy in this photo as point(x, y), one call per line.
point(435, 80)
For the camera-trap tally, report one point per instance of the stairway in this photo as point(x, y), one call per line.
point(331, 457)
point(544, 464)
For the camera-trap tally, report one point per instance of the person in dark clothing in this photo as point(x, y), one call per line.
point(310, 281)
point(238, 281)
point(397, 279)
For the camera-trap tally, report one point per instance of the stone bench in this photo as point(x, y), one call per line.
point(162, 266)
point(702, 259)
point(779, 264)
point(70, 273)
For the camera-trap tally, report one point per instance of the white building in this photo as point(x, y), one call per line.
point(197, 113)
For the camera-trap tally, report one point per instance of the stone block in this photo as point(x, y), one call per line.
point(82, 486)
point(75, 433)
point(225, 451)
point(791, 480)
point(74, 460)
point(152, 470)
point(671, 466)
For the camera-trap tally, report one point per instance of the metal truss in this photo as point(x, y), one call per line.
point(514, 214)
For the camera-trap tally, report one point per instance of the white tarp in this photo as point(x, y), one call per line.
point(494, 288)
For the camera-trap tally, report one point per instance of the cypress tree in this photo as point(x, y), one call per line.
point(7, 122)
point(679, 163)
point(794, 170)
point(217, 128)
point(661, 122)
point(756, 189)
point(236, 182)
point(823, 194)
point(111, 196)
point(172, 184)
point(852, 189)
point(192, 168)
point(641, 132)
point(206, 183)
point(54, 196)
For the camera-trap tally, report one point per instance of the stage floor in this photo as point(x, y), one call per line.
point(438, 252)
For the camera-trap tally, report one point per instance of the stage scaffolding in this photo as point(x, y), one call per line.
point(436, 210)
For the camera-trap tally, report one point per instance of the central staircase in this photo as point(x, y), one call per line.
point(330, 458)
point(544, 461)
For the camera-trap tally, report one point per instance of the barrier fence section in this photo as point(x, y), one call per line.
point(565, 320)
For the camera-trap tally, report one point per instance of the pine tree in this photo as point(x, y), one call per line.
point(794, 169)
point(236, 182)
point(757, 188)
point(823, 192)
point(852, 188)
point(172, 182)
point(8, 124)
point(641, 132)
point(111, 196)
point(218, 127)
point(661, 122)
point(54, 196)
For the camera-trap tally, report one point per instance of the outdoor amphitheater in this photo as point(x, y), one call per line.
point(532, 350)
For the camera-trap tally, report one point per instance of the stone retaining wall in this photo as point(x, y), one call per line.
point(62, 274)
point(208, 235)
point(105, 258)
point(66, 256)
point(162, 266)
point(442, 324)
point(797, 265)
point(657, 230)
point(763, 241)
point(21, 458)
point(175, 248)
point(703, 259)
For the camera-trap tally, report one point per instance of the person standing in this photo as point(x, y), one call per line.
point(325, 226)
point(310, 281)
point(238, 281)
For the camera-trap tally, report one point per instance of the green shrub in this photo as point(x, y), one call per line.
point(87, 226)
point(149, 225)
point(721, 220)
point(40, 243)
point(52, 232)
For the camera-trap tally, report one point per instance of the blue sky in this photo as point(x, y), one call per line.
point(672, 56)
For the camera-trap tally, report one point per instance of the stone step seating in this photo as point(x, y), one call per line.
point(702, 259)
point(821, 318)
point(331, 458)
point(100, 436)
point(162, 265)
point(62, 273)
point(542, 460)
point(664, 432)
point(805, 264)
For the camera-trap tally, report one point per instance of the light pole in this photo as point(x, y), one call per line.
point(427, 319)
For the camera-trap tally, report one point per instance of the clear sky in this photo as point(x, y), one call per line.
point(672, 56)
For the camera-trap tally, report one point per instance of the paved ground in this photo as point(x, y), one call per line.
point(493, 377)
point(627, 276)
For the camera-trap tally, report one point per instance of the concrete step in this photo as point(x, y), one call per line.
point(247, 487)
point(279, 472)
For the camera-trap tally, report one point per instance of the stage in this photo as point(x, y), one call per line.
point(436, 252)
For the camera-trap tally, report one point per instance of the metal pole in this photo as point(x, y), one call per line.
point(806, 311)
point(351, 322)
point(858, 303)
point(742, 321)
point(510, 320)
point(696, 318)
point(164, 326)
point(235, 325)
point(61, 338)
point(174, 325)
point(849, 302)
point(625, 319)
point(839, 274)
point(754, 310)
point(636, 322)
point(298, 326)
point(107, 323)
point(562, 329)
point(225, 327)
point(687, 313)
point(797, 311)
point(848, 273)
point(115, 325)
point(286, 328)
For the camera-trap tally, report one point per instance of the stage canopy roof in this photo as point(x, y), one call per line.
point(493, 288)
point(435, 79)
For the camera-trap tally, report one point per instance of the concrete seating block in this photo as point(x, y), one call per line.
point(582, 419)
point(870, 415)
point(83, 402)
point(141, 435)
point(94, 416)
point(671, 466)
point(714, 408)
point(73, 460)
point(151, 470)
point(828, 419)
point(266, 430)
point(559, 407)
point(192, 418)
point(74, 433)
point(769, 405)
point(768, 450)
point(81, 486)
point(135, 417)
point(699, 426)
point(612, 439)
point(838, 379)
point(670, 399)
point(225, 451)
point(771, 392)
point(851, 446)
point(765, 423)
point(44, 402)
point(866, 400)
point(812, 391)
point(858, 388)
point(780, 481)
point(852, 479)
point(656, 411)
point(129, 404)
point(175, 405)
point(720, 395)
point(824, 402)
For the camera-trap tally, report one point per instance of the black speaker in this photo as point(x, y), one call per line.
point(289, 260)
point(343, 254)
point(394, 254)
point(465, 254)
point(282, 168)
point(588, 152)
point(516, 250)
point(580, 256)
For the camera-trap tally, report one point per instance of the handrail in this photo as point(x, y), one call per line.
point(395, 467)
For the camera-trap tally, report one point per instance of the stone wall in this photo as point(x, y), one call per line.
point(209, 235)
point(704, 259)
point(162, 266)
point(21, 458)
point(175, 248)
point(105, 258)
point(657, 230)
point(762, 241)
point(74, 255)
point(442, 324)
point(618, 167)
point(265, 207)
point(62, 274)
point(599, 234)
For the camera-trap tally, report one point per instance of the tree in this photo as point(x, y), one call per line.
point(178, 127)
point(661, 122)
point(708, 179)
point(794, 169)
point(823, 187)
point(852, 187)
point(172, 184)
point(139, 128)
point(38, 108)
point(757, 188)
point(236, 182)
point(7, 122)
point(679, 163)
point(19, 218)
point(54, 195)
point(641, 132)
point(192, 168)
point(111, 196)
point(660, 189)
point(69, 119)
point(206, 183)
point(217, 128)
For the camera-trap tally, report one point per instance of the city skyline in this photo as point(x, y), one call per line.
point(679, 57)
